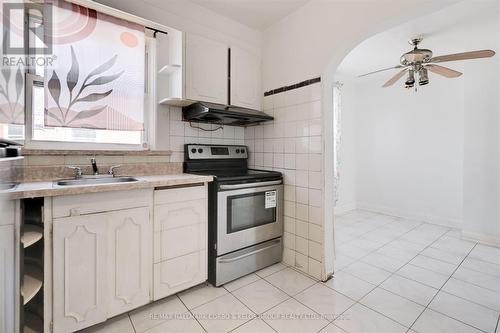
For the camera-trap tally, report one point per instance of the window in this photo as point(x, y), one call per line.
point(93, 91)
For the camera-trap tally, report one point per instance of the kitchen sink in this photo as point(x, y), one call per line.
point(7, 186)
point(95, 181)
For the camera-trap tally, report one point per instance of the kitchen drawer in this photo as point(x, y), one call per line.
point(172, 276)
point(180, 214)
point(180, 194)
point(88, 203)
point(172, 243)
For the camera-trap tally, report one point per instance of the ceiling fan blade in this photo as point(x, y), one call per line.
point(444, 71)
point(382, 70)
point(464, 56)
point(395, 78)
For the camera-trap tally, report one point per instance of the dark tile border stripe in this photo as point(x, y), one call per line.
point(293, 86)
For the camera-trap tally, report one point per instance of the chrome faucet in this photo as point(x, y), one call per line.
point(78, 171)
point(95, 170)
point(111, 171)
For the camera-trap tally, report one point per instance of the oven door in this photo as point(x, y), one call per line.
point(248, 214)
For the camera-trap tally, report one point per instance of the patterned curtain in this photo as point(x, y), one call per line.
point(97, 78)
point(337, 135)
point(12, 72)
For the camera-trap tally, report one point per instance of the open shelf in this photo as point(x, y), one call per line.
point(33, 281)
point(31, 234)
point(32, 323)
point(169, 69)
point(174, 101)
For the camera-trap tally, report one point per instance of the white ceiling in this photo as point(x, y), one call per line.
point(256, 14)
point(457, 28)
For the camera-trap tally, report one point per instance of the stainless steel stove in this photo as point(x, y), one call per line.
point(245, 211)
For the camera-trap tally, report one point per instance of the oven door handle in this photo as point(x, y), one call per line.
point(276, 242)
point(247, 185)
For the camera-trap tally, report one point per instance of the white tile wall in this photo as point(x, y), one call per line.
point(293, 144)
point(181, 132)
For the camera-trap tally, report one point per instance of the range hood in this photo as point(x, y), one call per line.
point(222, 114)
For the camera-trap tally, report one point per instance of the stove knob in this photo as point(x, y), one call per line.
point(193, 150)
point(237, 151)
point(200, 150)
point(243, 151)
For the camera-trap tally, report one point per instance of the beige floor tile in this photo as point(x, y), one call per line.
point(223, 314)
point(201, 294)
point(290, 281)
point(260, 296)
point(156, 313)
point(293, 317)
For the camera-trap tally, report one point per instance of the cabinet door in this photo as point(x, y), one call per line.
point(180, 244)
point(7, 276)
point(172, 276)
point(245, 79)
point(79, 268)
point(206, 70)
point(130, 262)
point(180, 229)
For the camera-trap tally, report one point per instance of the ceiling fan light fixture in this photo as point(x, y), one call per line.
point(423, 77)
point(410, 81)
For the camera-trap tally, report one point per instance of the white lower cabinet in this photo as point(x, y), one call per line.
point(80, 268)
point(180, 240)
point(107, 263)
point(7, 278)
point(102, 266)
point(129, 260)
point(174, 275)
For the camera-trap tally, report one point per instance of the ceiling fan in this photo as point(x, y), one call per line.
point(420, 62)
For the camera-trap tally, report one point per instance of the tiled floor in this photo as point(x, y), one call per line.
point(393, 275)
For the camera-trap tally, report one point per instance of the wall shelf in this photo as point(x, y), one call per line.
point(32, 234)
point(32, 323)
point(169, 69)
point(174, 101)
point(33, 281)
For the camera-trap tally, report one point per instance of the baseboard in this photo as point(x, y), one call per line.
point(481, 238)
point(341, 209)
point(439, 220)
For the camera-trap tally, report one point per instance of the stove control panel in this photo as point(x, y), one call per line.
point(198, 152)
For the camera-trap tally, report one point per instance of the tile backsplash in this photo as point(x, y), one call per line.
point(181, 132)
point(293, 145)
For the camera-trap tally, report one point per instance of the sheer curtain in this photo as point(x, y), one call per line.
point(337, 135)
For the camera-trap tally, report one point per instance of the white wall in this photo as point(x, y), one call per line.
point(407, 156)
point(346, 197)
point(482, 151)
point(434, 155)
point(189, 17)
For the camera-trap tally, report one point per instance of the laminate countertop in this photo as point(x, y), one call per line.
point(50, 188)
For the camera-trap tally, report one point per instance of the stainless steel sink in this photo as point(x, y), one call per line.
point(7, 186)
point(95, 181)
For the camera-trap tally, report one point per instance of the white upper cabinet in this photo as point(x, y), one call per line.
point(206, 70)
point(194, 68)
point(245, 79)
